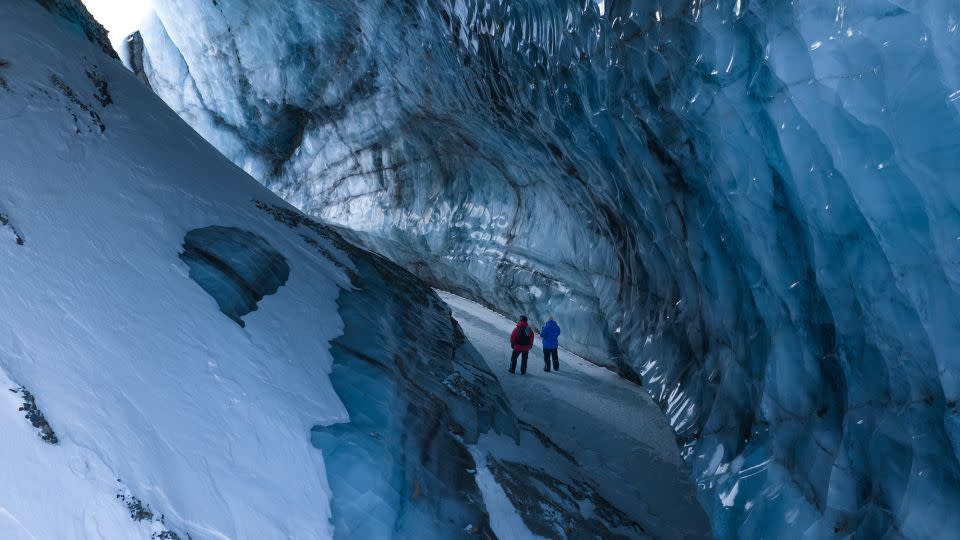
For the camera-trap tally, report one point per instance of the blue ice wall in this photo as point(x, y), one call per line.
point(236, 267)
point(749, 206)
point(417, 394)
point(367, 482)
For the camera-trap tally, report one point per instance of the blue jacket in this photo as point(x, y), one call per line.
point(549, 334)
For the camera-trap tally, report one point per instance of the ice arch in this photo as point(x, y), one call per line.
point(751, 207)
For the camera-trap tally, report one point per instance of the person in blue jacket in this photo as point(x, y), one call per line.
point(549, 335)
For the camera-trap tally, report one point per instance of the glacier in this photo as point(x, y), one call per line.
point(751, 208)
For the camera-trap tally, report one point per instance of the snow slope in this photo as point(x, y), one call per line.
point(611, 427)
point(152, 392)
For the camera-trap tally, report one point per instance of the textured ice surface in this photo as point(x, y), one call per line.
point(750, 206)
point(236, 267)
point(416, 394)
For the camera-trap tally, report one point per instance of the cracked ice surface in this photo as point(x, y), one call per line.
point(752, 207)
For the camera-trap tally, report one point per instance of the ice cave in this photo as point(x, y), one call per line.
point(266, 263)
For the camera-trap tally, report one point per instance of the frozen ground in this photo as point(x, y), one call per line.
point(611, 427)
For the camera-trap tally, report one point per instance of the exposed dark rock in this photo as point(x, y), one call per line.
point(77, 16)
point(134, 59)
point(3, 81)
point(103, 91)
point(168, 535)
point(5, 222)
point(140, 511)
point(554, 509)
point(35, 416)
point(74, 100)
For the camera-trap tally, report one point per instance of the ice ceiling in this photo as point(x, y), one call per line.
point(749, 207)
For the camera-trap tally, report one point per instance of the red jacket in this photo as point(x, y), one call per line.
point(516, 333)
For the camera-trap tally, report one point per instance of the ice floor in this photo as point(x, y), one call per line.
point(617, 434)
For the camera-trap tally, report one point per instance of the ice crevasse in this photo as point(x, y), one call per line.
point(749, 207)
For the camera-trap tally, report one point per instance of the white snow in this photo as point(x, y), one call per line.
point(37, 476)
point(141, 376)
point(612, 427)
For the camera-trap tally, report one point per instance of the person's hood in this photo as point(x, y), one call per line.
point(551, 323)
point(521, 323)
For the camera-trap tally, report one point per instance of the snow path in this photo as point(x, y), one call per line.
point(612, 427)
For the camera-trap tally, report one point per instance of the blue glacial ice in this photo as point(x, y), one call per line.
point(236, 267)
point(749, 207)
point(416, 396)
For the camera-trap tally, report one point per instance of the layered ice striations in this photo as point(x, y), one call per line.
point(417, 395)
point(236, 267)
point(751, 207)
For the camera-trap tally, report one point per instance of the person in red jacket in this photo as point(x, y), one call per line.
point(521, 341)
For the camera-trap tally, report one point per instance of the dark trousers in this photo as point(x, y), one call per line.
point(523, 363)
point(551, 353)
